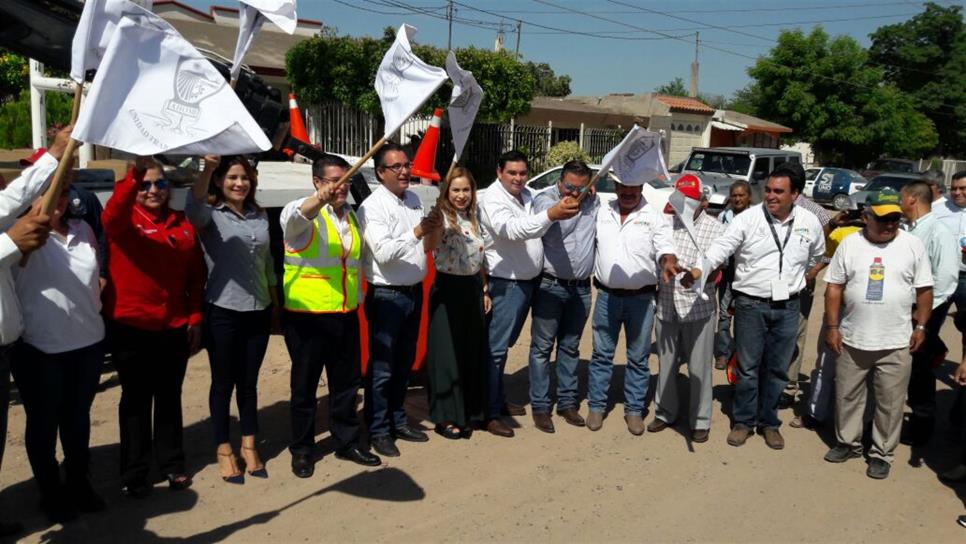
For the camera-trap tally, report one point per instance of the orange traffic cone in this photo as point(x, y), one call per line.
point(424, 166)
point(296, 124)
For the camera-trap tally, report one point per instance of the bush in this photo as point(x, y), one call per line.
point(15, 129)
point(564, 152)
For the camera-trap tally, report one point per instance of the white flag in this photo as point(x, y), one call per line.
point(684, 209)
point(252, 14)
point(155, 93)
point(463, 105)
point(96, 26)
point(404, 81)
point(637, 159)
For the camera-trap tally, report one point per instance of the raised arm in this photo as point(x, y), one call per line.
point(196, 208)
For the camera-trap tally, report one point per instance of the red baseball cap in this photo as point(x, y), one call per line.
point(29, 161)
point(689, 185)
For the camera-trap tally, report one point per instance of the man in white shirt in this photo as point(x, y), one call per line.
point(394, 260)
point(774, 243)
point(879, 275)
point(19, 237)
point(952, 215)
point(632, 238)
point(514, 258)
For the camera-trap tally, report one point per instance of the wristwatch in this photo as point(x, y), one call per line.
point(921, 328)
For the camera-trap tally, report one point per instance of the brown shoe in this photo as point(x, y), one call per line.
point(635, 424)
point(739, 435)
point(572, 416)
point(699, 435)
point(543, 422)
point(657, 425)
point(773, 438)
point(595, 420)
point(721, 363)
point(497, 427)
point(510, 409)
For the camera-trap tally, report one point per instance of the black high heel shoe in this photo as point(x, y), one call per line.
point(239, 477)
point(258, 472)
point(448, 430)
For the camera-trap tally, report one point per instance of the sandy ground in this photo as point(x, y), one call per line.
point(571, 486)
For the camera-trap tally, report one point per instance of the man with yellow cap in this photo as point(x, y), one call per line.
point(874, 280)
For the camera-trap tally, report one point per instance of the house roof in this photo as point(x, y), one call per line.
point(685, 104)
point(564, 112)
point(750, 122)
point(646, 104)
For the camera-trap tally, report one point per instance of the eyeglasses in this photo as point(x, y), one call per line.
point(570, 188)
point(891, 218)
point(161, 185)
point(398, 167)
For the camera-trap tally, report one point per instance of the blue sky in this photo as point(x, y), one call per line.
point(618, 45)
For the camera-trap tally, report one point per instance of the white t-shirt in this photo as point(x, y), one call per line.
point(880, 289)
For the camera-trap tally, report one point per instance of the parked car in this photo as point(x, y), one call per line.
point(889, 166)
point(833, 185)
point(656, 192)
point(895, 181)
point(719, 167)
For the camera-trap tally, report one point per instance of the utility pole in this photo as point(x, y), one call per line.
point(693, 90)
point(519, 26)
point(500, 39)
point(449, 15)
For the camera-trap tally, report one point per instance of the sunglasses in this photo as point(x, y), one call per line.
point(570, 188)
point(892, 218)
point(161, 185)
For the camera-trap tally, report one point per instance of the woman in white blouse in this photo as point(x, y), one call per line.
point(57, 366)
point(458, 302)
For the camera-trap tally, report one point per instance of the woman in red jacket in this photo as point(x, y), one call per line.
point(152, 304)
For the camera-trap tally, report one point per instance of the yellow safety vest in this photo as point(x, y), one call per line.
point(324, 282)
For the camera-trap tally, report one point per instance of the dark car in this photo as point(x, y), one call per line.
point(834, 185)
point(890, 166)
point(895, 181)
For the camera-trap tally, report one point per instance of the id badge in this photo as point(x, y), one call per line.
point(779, 290)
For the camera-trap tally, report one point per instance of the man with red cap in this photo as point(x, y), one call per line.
point(686, 318)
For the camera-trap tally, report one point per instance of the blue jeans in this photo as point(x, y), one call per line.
point(511, 303)
point(559, 313)
point(724, 344)
point(636, 315)
point(959, 298)
point(765, 338)
point(393, 330)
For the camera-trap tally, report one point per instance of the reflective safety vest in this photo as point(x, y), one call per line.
point(324, 280)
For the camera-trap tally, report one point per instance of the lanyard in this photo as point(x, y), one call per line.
point(774, 235)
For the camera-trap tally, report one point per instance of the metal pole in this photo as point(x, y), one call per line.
point(581, 138)
point(38, 109)
point(449, 15)
point(519, 27)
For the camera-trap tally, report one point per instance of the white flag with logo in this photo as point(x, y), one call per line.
point(404, 81)
point(252, 14)
point(684, 208)
point(155, 93)
point(96, 27)
point(463, 105)
point(637, 159)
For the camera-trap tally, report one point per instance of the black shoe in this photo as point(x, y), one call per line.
point(178, 481)
point(917, 431)
point(57, 509)
point(961, 520)
point(786, 401)
point(302, 465)
point(359, 457)
point(878, 469)
point(84, 498)
point(384, 445)
point(841, 454)
point(139, 490)
point(10, 528)
point(410, 434)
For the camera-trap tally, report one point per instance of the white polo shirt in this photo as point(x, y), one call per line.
point(512, 233)
point(627, 253)
point(750, 240)
point(392, 255)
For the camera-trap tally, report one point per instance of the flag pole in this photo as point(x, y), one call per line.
point(75, 110)
point(355, 167)
point(593, 181)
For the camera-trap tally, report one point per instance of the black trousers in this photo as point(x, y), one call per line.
point(236, 343)
point(331, 341)
point(151, 366)
point(5, 355)
point(922, 380)
point(57, 391)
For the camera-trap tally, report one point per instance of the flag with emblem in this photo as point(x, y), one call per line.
point(404, 82)
point(638, 159)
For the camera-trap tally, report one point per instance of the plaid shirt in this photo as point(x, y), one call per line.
point(675, 299)
point(810, 205)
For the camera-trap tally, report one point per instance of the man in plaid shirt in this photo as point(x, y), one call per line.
point(686, 322)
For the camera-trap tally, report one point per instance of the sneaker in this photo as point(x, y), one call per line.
point(595, 420)
point(841, 454)
point(738, 436)
point(878, 469)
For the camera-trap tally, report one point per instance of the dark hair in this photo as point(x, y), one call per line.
point(576, 167)
point(794, 172)
point(215, 195)
point(740, 183)
point(512, 156)
point(320, 164)
point(919, 190)
point(380, 156)
point(958, 176)
point(934, 177)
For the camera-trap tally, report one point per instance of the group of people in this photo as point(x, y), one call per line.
point(164, 284)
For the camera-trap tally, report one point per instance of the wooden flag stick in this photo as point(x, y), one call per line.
point(355, 168)
point(78, 93)
point(452, 166)
point(593, 181)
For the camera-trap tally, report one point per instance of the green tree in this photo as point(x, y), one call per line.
point(14, 75)
point(549, 83)
point(745, 100)
point(15, 127)
point(925, 57)
point(825, 90)
point(566, 151)
point(675, 87)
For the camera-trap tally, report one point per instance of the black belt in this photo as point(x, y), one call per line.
point(624, 292)
point(566, 283)
point(962, 274)
point(770, 302)
point(399, 288)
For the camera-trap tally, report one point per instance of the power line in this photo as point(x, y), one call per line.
point(736, 10)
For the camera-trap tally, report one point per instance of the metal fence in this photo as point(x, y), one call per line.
point(339, 129)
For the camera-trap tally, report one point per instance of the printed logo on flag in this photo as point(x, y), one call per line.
point(391, 78)
point(192, 85)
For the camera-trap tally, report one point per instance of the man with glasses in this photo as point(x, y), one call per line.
point(561, 304)
point(514, 258)
point(883, 278)
point(394, 259)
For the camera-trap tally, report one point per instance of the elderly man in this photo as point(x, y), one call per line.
point(880, 275)
point(739, 198)
point(514, 259)
point(685, 322)
point(562, 301)
point(632, 239)
point(774, 244)
point(394, 259)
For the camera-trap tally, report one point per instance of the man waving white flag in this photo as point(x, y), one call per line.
point(252, 14)
point(463, 105)
point(155, 93)
point(97, 24)
point(637, 159)
point(404, 81)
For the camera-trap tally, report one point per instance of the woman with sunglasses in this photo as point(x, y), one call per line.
point(241, 301)
point(152, 303)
